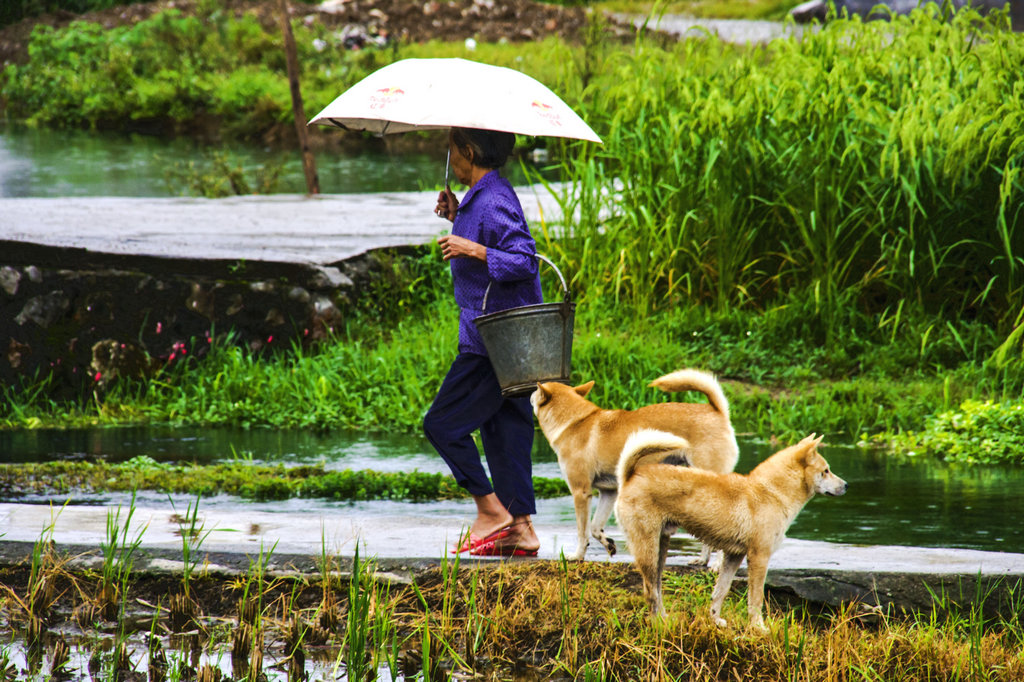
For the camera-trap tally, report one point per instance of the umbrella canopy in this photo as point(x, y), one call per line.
point(419, 94)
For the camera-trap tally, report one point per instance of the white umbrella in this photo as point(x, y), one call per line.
point(419, 94)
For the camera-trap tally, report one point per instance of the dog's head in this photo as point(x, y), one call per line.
point(550, 394)
point(817, 473)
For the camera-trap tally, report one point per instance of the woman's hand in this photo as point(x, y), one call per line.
point(447, 204)
point(453, 246)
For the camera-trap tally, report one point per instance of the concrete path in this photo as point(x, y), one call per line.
point(284, 228)
point(739, 31)
point(397, 534)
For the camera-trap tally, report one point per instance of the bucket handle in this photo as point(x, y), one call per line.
point(565, 287)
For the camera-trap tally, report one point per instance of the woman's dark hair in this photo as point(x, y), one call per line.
point(491, 148)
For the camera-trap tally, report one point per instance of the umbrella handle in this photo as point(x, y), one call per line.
point(447, 161)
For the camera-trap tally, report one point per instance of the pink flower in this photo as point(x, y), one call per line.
point(98, 376)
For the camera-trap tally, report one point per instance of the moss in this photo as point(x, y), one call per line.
point(254, 482)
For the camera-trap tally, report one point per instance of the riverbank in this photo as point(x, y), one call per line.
point(224, 614)
point(402, 542)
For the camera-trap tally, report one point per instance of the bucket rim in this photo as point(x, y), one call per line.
point(526, 310)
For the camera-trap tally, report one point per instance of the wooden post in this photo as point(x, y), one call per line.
point(298, 111)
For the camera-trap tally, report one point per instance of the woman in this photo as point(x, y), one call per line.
point(489, 243)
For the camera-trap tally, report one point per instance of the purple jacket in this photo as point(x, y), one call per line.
point(490, 214)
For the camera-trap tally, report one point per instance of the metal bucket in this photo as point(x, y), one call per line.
point(531, 343)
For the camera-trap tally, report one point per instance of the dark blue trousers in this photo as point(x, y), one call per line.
point(470, 399)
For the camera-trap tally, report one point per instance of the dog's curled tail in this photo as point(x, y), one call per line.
point(694, 380)
point(644, 443)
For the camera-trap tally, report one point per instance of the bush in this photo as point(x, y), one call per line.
point(979, 432)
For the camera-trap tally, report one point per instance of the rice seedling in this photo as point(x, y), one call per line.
point(359, 635)
point(47, 567)
point(118, 558)
point(193, 533)
point(514, 619)
point(8, 671)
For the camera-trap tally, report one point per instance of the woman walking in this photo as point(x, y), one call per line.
point(490, 244)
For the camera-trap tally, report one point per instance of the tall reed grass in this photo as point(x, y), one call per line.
point(860, 166)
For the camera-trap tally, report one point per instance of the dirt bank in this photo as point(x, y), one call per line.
point(406, 20)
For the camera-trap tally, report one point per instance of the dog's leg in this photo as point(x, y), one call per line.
point(730, 564)
point(663, 542)
point(581, 501)
point(704, 558)
point(643, 543)
point(757, 570)
point(605, 504)
point(649, 566)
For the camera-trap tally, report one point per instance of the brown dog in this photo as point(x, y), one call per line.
point(588, 440)
point(745, 516)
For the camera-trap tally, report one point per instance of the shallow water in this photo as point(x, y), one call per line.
point(891, 501)
point(70, 163)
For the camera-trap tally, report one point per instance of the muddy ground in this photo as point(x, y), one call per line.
point(405, 20)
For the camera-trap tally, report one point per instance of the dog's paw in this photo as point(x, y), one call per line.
point(719, 621)
point(609, 545)
point(757, 626)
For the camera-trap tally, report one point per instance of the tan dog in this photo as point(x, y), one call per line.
point(745, 516)
point(588, 440)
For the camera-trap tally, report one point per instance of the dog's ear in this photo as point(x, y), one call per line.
point(543, 394)
point(809, 446)
point(584, 389)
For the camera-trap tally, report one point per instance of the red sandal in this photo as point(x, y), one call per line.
point(471, 542)
point(494, 549)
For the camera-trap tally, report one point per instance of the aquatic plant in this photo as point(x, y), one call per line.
point(976, 432)
point(247, 481)
point(220, 174)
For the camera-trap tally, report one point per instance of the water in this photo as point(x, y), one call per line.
point(70, 163)
point(891, 501)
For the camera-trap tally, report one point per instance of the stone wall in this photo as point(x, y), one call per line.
point(86, 318)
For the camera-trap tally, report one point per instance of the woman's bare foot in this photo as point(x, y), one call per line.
point(521, 535)
point(491, 516)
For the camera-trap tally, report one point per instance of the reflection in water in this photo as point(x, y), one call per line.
point(69, 163)
point(924, 503)
point(890, 501)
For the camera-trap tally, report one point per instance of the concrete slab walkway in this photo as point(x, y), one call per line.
point(286, 228)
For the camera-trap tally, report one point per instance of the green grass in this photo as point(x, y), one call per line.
point(779, 377)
